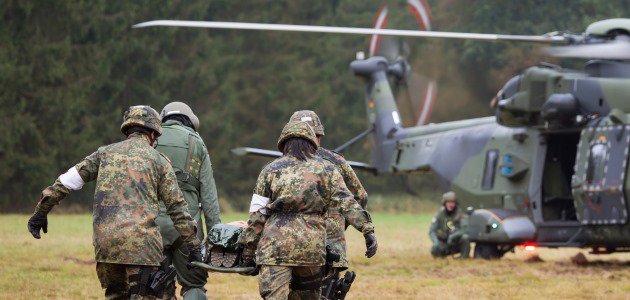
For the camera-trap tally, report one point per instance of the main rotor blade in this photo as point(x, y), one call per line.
point(612, 50)
point(355, 30)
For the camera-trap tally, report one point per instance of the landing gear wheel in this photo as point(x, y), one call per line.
point(488, 251)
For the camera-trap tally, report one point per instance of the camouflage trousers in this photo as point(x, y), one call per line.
point(114, 279)
point(294, 282)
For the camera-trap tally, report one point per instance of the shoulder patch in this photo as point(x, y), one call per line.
point(434, 220)
point(165, 157)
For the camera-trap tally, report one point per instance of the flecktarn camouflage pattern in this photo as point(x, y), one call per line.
point(335, 222)
point(131, 178)
point(297, 130)
point(290, 229)
point(278, 282)
point(143, 116)
point(309, 117)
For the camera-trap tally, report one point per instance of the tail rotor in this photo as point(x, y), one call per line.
point(415, 94)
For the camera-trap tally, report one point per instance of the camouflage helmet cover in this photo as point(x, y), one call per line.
point(297, 129)
point(311, 118)
point(143, 116)
point(449, 196)
point(180, 108)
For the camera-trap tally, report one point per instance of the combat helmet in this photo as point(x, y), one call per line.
point(180, 108)
point(297, 129)
point(309, 117)
point(449, 196)
point(143, 116)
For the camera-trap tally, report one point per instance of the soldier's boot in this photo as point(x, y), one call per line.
point(464, 243)
point(439, 250)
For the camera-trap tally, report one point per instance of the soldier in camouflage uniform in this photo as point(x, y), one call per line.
point(286, 229)
point(190, 160)
point(131, 179)
point(448, 229)
point(335, 222)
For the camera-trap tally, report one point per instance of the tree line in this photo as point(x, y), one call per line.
point(68, 70)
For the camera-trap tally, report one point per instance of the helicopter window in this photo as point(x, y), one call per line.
point(489, 169)
point(596, 164)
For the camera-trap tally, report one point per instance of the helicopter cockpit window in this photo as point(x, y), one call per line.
point(596, 164)
point(489, 170)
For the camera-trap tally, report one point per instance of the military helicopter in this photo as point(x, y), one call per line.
point(549, 169)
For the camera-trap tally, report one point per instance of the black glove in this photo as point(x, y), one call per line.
point(371, 244)
point(36, 222)
point(194, 254)
point(251, 264)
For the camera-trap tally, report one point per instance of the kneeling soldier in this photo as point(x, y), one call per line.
point(448, 230)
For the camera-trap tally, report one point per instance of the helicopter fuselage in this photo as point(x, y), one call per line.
point(550, 168)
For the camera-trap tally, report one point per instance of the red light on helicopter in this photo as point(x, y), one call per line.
point(530, 247)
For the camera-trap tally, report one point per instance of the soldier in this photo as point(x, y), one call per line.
point(131, 179)
point(448, 229)
point(335, 222)
point(190, 160)
point(286, 228)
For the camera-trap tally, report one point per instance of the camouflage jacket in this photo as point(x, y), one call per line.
point(444, 224)
point(131, 178)
point(335, 222)
point(288, 227)
point(194, 177)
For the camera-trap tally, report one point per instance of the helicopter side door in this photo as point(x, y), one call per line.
point(600, 169)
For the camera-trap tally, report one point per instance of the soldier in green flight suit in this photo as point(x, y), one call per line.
point(131, 179)
point(335, 222)
point(193, 169)
point(448, 229)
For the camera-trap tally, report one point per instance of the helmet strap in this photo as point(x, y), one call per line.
point(151, 139)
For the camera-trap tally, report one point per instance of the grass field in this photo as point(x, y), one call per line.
point(61, 265)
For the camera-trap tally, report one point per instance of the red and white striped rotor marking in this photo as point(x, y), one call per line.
point(381, 21)
point(430, 93)
point(420, 9)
